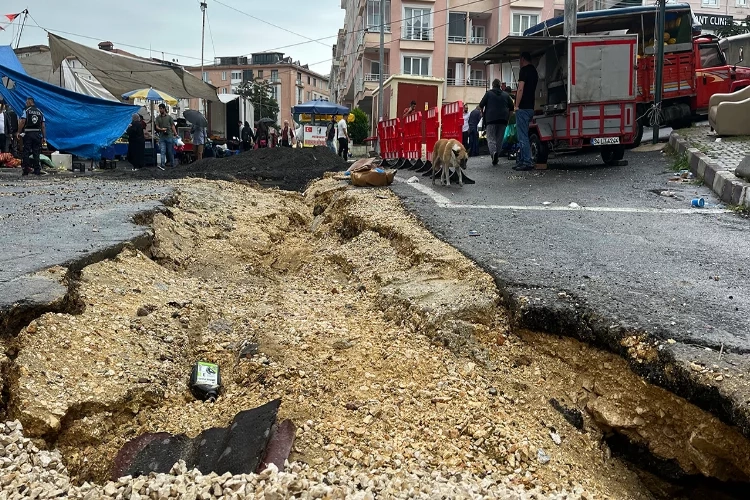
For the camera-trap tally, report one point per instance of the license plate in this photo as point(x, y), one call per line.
point(604, 141)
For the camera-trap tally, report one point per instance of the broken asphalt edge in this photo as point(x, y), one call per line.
point(36, 295)
point(727, 186)
point(665, 365)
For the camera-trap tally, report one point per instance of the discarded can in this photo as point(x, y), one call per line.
point(205, 381)
point(698, 202)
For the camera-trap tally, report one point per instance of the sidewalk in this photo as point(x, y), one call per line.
point(714, 161)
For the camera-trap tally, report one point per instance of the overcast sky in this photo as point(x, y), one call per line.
point(174, 26)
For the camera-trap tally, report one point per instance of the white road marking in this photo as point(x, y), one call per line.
point(444, 202)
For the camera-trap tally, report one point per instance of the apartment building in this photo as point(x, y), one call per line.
point(291, 82)
point(434, 38)
point(711, 14)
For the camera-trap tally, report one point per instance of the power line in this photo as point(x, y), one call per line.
point(211, 34)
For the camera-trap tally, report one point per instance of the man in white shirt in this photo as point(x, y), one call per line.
point(3, 138)
point(465, 128)
point(342, 132)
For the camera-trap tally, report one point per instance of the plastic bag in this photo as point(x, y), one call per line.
point(179, 142)
point(510, 136)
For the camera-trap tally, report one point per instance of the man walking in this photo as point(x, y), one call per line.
point(331, 134)
point(474, 118)
point(167, 132)
point(343, 134)
point(496, 107)
point(34, 131)
point(465, 128)
point(525, 97)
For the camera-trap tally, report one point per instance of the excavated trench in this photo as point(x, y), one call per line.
point(359, 313)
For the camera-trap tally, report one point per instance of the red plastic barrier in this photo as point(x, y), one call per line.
point(389, 132)
point(413, 136)
point(453, 120)
point(431, 130)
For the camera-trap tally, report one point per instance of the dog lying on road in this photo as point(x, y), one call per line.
point(449, 153)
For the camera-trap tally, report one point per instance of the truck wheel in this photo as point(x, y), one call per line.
point(611, 155)
point(539, 149)
point(638, 135)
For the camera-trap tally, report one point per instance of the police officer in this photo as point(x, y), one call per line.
point(34, 132)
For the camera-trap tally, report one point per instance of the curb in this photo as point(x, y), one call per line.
point(730, 188)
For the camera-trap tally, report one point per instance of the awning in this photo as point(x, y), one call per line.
point(121, 74)
point(510, 48)
point(225, 98)
point(320, 108)
point(9, 59)
point(605, 20)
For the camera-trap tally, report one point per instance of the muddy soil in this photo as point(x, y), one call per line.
point(286, 168)
point(388, 348)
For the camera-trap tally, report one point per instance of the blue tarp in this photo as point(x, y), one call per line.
point(320, 108)
point(9, 59)
point(76, 123)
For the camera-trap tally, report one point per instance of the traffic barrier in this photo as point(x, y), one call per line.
point(390, 137)
point(412, 125)
point(431, 135)
point(452, 118)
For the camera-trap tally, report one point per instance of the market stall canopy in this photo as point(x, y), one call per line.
point(9, 59)
point(120, 74)
point(320, 108)
point(595, 21)
point(76, 123)
point(510, 48)
point(150, 94)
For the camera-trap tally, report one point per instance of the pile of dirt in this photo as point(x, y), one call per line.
point(286, 168)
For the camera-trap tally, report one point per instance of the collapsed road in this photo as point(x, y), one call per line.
point(388, 349)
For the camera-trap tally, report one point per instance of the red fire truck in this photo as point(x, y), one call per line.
point(694, 65)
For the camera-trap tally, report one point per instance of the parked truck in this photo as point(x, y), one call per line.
point(694, 66)
point(586, 94)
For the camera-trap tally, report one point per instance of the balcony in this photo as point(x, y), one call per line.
point(375, 77)
point(474, 40)
point(469, 83)
point(418, 34)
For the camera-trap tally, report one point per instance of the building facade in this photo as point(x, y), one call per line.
point(434, 38)
point(291, 83)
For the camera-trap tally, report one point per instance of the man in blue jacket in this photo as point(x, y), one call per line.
point(496, 107)
point(474, 118)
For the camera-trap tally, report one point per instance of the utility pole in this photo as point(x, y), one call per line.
point(204, 5)
point(570, 17)
point(659, 41)
point(380, 66)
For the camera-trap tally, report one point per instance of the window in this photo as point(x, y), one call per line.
point(741, 3)
point(260, 74)
point(315, 82)
point(522, 22)
point(299, 78)
point(224, 90)
point(236, 75)
point(710, 3)
point(711, 56)
point(247, 75)
point(375, 68)
point(417, 24)
point(477, 35)
point(417, 66)
point(373, 15)
point(299, 95)
point(274, 75)
point(308, 80)
point(309, 96)
point(223, 76)
point(457, 27)
point(205, 76)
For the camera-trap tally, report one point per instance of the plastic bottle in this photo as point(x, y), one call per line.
point(205, 381)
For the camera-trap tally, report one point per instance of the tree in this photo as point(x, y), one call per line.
point(259, 93)
point(739, 28)
point(359, 129)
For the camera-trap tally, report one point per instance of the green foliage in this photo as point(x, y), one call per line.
point(736, 28)
point(359, 129)
point(258, 92)
point(681, 163)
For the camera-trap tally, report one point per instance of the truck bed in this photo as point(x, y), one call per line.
point(679, 76)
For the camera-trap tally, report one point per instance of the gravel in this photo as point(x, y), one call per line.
point(286, 168)
point(28, 472)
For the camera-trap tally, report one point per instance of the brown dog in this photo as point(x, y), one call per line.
point(449, 153)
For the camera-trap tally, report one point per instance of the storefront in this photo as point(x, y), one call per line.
point(712, 22)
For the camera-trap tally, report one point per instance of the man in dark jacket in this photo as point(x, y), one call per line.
point(474, 118)
point(496, 107)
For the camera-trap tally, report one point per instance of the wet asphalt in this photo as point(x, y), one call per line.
point(64, 220)
point(629, 255)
